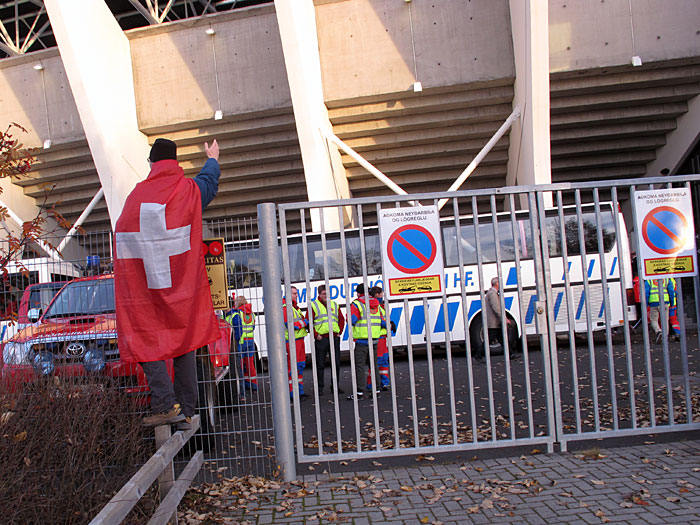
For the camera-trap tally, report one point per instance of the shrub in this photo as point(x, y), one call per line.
point(65, 450)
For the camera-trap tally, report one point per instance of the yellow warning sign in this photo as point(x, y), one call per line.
point(414, 285)
point(668, 265)
point(215, 261)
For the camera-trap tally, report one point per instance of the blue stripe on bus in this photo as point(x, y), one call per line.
point(557, 304)
point(512, 279)
point(590, 267)
point(396, 317)
point(417, 320)
point(452, 309)
point(602, 308)
point(563, 275)
point(580, 305)
point(530, 314)
point(612, 269)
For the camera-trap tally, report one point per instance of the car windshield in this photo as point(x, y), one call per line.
point(83, 298)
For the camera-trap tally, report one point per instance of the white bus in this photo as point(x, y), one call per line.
point(308, 271)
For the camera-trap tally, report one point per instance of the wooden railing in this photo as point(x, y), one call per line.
point(159, 466)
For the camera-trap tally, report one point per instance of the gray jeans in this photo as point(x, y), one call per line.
point(362, 358)
point(165, 393)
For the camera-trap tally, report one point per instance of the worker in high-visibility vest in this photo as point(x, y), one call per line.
point(656, 290)
point(300, 326)
point(246, 344)
point(366, 320)
point(328, 325)
point(382, 349)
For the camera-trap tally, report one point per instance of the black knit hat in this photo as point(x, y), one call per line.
point(163, 149)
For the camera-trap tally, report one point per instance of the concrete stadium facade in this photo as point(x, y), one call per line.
point(605, 90)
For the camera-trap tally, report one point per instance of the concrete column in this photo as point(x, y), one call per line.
point(529, 157)
point(97, 58)
point(324, 171)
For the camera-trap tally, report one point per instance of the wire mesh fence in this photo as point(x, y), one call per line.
point(58, 323)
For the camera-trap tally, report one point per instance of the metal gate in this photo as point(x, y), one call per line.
point(573, 360)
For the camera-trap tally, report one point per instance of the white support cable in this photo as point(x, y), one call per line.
point(365, 164)
point(480, 156)
point(81, 219)
point(50, 251)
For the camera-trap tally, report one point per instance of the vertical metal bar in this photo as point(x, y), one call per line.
point(664, 311)
point(370, 339)
point(645, 320)
point(523, 328)
point(291, 337)
point(465, 316)
point(431, 377)
point(542, 325)
point(412, 375)
point(335, 380)
point(622, 265)
point(504, 315)
point(272, 276)
point(684, 351)
point(606, 309)
point(570, 314)
point(448, 347)
point(484, 314)
point(351, 341)
point(314, 364)
point(555, 419)
point(355, 386)
point(389, 345)
point(587, 301)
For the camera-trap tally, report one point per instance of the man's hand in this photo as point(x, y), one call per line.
point(213, 151)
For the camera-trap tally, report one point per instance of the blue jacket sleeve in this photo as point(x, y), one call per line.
point(671, 293)
point(208, 181)
point(237, 327)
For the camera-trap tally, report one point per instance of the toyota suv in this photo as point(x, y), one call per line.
point(75, 339)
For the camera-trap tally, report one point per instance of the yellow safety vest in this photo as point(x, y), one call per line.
point(298, 333)
point(321, 317)
point(248, 328)
point(359, 329)
point(654, 290)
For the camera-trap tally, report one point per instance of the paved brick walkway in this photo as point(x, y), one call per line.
point(657, 483)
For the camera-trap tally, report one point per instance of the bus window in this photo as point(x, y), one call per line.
point(486, 239)
point(590, 233)
point(244, 266)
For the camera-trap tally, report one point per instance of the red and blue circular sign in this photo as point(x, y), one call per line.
point(411, 249)
point(664, 230)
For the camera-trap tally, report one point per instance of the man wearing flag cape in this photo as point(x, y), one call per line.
point(163, 303)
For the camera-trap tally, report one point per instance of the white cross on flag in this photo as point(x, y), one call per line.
point(154, 244)
point(163, 303)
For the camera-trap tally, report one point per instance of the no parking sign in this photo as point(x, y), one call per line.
point(666, 233)
point(412, 251)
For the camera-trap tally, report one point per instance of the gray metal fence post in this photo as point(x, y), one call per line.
point(276, 353)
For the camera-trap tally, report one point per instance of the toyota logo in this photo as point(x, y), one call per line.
point(75, 349)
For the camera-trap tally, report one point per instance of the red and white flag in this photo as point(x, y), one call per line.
point(162, 297)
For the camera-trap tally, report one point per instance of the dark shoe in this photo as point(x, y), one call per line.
point(659, 335)
point(360, 395)
point(303, 395)
point(165, 418)
point(385, 388)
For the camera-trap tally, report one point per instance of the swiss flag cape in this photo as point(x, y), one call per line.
point(161, 289)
